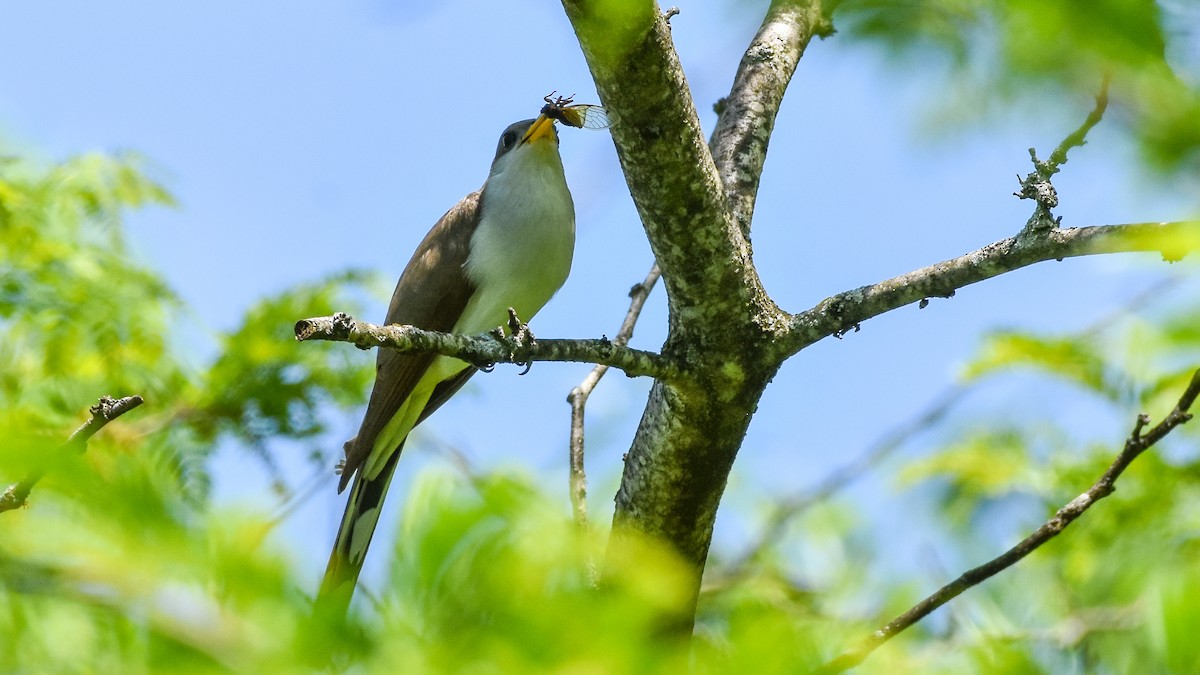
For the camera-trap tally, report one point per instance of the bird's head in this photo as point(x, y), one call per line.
point(526, 139)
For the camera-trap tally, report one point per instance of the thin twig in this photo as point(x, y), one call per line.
point(107, 410)
point(1037, 185)
point(318, 480)
point(1078, 138)
point(1138, 442)
point(579, 396)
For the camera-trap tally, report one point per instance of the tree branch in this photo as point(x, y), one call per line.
point(485, 351)
point(670, 172)
point(787, 509)
point(721, 321)
point(845, 311)
point(1137, 443)
point(1037, 185)
point(107, 410)
point(1077, 138)
point(579, 396)
point(746, 118)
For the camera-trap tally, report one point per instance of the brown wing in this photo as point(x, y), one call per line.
point(428, 299)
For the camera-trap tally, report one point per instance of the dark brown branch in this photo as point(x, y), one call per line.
point(485, 351)
point(1138, 442)
point(845, 311)
point(107, 410)
point(579, 396)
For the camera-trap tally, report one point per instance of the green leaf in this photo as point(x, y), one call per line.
point(1072, 359)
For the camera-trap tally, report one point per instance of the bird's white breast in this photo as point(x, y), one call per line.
point(522, 248)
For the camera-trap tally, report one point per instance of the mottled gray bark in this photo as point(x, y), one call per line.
point(519, 346)
point(696, 211)
point(844, 311)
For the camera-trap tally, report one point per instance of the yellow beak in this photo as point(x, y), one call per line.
point(542, 127)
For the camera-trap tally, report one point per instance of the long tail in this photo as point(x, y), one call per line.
point(354, 537)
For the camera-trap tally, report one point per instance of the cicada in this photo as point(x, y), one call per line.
point(578, 115)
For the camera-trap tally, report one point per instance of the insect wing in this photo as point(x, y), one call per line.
point(586, 116)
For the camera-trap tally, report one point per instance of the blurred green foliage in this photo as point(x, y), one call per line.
point(121, 537)
point(1048, 53)
point(263, 386)
point(121, 564)
point(81, 318)
point(1095, 598)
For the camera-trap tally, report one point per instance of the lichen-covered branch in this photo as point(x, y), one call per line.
point(487, 350)
point(845, 311)
point(746, 117)
point(671, 175)
point(1037, 185)
point(1138, 442)
point(105, 411)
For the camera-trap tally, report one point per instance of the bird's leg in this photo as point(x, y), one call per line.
point(521, 339)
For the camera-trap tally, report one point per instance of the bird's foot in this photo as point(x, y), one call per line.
point(521, 339)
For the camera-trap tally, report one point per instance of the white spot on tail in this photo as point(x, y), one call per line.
point(360, 536)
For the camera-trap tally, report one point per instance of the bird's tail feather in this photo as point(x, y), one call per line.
point(354, 537)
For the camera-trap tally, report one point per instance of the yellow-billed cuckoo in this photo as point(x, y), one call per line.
point(507, 245)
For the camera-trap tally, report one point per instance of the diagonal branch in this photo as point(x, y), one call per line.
point(107, 410)
point(845, 311)
point(487, 350)
point(1137, 443)
point(747, 116)
point(579, 396)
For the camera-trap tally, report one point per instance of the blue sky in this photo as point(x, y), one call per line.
point(301, 139)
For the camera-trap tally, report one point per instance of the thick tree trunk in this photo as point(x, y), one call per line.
point(722, 322)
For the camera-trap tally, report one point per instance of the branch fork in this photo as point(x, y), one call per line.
point(1037, 186)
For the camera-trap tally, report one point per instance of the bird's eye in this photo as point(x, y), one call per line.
point(508, 139)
